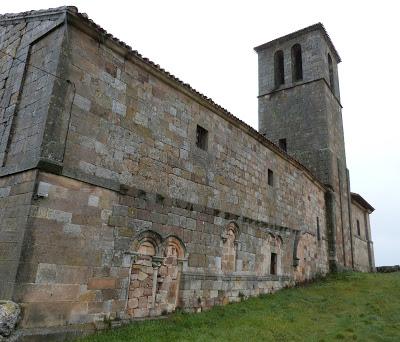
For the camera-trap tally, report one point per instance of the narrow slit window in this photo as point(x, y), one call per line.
point(201, 138)
point(331, 77)
point(318, 230)
point(274, 261)
point(297, 63)
point(279, 68)
point(358, 228)
point(283, 144)
point(270, 177)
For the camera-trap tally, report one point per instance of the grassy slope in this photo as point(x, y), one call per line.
point(355, 306)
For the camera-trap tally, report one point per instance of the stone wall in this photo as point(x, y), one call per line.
point(388, 269)
point(130, 127)
point(307, 114)
point(363, 246)
point(29, 58)
point(91, 253)
point(16, 193)
point(65, 271)
point(139, 174)
point(125, 215)
point(315, 63)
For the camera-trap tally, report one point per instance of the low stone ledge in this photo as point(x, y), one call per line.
point(73, 331)
point(388, 269)
point(233, 277)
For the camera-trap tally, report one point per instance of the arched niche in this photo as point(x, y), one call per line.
point(274, 260)
point(174, 246)
point(147, 248)
point(279, 241)
point(155, 274)
point(148, 243)
point(230, 243)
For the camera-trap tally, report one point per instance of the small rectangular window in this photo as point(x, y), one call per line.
point(274, 259)
point(318, 230)
point(201, 138)
point(282, 144)
point(358, 228)
point(270, 177)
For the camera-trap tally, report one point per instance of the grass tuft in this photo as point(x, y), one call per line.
point(344, 306)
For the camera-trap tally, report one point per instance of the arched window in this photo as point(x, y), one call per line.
point(331, 78)
point(279, 68)
point(297, 63)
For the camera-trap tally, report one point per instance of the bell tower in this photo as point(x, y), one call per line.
point(299, 110)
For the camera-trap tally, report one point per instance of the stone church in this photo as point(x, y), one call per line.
point(125, 193)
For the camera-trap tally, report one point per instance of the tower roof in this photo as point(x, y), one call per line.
point(298, 33)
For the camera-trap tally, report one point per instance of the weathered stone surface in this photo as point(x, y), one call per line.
point(138, 218)
point(312, 129)
point(9, 317)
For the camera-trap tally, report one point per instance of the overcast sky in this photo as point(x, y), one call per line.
point(209, 44)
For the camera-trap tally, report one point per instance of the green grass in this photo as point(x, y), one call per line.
point(346, 307)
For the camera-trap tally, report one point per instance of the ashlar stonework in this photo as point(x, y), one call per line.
point(125, 193)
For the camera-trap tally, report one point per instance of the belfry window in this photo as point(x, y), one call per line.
point(279, 68)
point(331, 78)
point(297, 63)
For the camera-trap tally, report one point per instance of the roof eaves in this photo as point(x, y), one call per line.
point(361, 201)
point(14, 17)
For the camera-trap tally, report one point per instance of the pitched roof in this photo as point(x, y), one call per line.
point(361, 201)
point(73, 14)
point(35, 13)
point(318, 26)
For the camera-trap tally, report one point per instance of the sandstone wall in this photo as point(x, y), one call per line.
point(29, 60)
point(135, 219)
point(16, 193)
point(81, 252)
point(363, 248)
point(66, 272)
point(129, 127)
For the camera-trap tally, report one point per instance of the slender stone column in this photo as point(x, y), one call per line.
point(331, 229)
